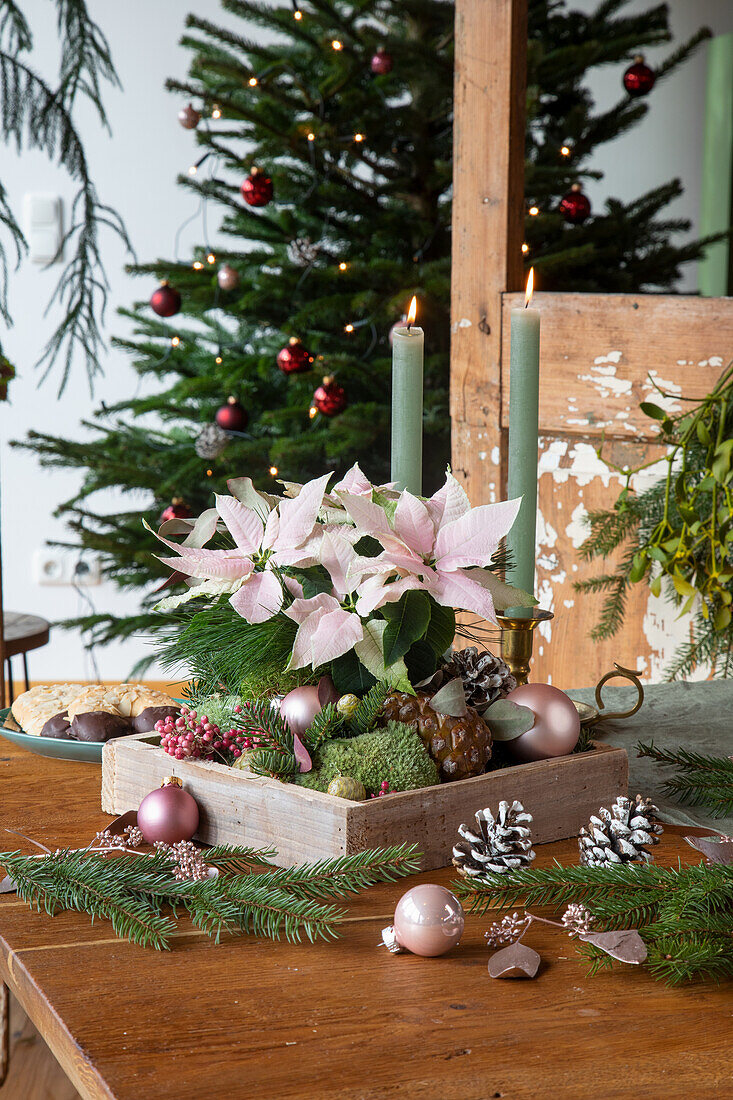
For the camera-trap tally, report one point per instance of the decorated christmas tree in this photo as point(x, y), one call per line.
point(325, 148)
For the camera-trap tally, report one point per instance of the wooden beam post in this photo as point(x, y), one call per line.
point(488, 219)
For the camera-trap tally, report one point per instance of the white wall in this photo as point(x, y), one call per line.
point(135, 172)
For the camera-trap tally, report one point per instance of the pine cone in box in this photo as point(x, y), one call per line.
point(461, 747)
point(485, 677)
point(618, 835)
point(496, 844)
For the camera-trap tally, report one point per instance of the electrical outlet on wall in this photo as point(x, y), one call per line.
point(65, 567)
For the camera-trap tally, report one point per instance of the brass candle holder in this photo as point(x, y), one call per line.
point(517, 636)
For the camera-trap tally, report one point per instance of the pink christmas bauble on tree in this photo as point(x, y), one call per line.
point(169, 814)
point(294, 358)
point(227, 277)
point(639, 79)
point(381, 62)
point(189, 117)
point(330, 398)
point(165, 301)
point(556, 726)
point(428, 921)
point(232, 417)
point(575, 206)
point(257, 188)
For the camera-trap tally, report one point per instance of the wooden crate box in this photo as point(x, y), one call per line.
point(239, 808)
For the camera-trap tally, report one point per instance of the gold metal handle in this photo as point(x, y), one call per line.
point(619, 673)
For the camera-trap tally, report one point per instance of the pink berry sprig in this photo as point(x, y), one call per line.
point(189, 737)
point(383, 789)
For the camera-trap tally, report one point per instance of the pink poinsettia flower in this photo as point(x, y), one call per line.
point(441, 546)
point(265, 543)
point(325, 630)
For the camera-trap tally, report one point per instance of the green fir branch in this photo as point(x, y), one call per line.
point(705, 781)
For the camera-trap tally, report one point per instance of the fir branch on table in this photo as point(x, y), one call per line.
point(701, 780)
point(684, 914)
point(131, 890)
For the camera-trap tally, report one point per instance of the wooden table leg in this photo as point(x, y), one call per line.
point(4, 1032)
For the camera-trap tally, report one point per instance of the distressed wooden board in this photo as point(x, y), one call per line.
point(602, 353)
point(304, 825)
point(572, 482)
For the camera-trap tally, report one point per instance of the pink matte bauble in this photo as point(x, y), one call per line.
point(169, 814)
point(299, 708)
point(556, 726)
point(428, 920)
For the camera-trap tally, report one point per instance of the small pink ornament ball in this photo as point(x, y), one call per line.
point(556, 726)
point(428, 921)
point(302, 704)
point(227, 277)
point(169, 814)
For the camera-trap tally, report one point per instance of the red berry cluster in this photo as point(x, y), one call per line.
point(384, 789)
point(191, 737)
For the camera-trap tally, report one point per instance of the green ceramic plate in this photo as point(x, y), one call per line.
point(90, 751)
point(52, 746)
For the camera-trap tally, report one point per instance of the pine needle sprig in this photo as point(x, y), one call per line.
point(327, 723)
point(349, 874)
point(100, 887)
point(684, 914)
point(365, 716)
point(274, 756)
point(701, 780)
point(132, 890)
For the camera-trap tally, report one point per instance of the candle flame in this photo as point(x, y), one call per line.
point(530, 288)
point(412, 312)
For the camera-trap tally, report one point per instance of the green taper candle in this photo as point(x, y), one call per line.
point(714, 271)
point(407, 374)
point(524, 384)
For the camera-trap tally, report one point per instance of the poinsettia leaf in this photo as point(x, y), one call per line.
point(504, 595)
point(407, 620)
point(212, 589)
point(350, 676)
point(515, 961)
point(370, 652)
point(441, 628)
point(508, 720)
point(421, 661)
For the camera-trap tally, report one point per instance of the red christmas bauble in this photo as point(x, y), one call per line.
point(177, 509)
point(257, 189)
point(227, 277)
point(330, 398)
point(189, 117)
point(169, 814)
point(639, 79)
point(233, 417)
point(165, 301)
point(381, 62)
point(294, 358)
point(575, 206)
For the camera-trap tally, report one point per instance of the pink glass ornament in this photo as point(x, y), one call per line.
point(556, 727)
point(169, 814)
point(428, 921)
point(299, 708)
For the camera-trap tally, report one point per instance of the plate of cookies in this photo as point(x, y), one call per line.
point(73, 721)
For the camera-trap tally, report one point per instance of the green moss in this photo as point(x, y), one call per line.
point(395, 753)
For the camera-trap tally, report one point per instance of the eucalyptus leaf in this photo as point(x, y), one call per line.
point(451, 699)
point(508, 720)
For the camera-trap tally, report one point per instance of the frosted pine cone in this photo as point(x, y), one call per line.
point(211, 441)
point(495, 844)
point(485, 677)
point(618, 835)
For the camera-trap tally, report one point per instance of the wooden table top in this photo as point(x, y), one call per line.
point(345, 1020)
